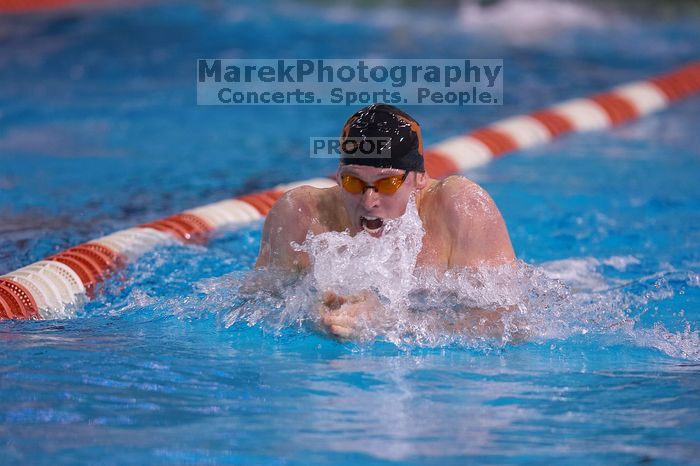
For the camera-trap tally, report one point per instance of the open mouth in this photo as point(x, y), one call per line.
point(372, 225)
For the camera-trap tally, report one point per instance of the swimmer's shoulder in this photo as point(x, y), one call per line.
point(305, 204)
point(300, 200)
point(291, 218)
point(446, 191)
point(460, 198)
point(477, 231)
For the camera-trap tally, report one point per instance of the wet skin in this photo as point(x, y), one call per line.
point(463, 229)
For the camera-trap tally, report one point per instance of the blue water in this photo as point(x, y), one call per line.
point(99, 131)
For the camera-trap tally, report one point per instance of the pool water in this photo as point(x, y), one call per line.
point(99, 131)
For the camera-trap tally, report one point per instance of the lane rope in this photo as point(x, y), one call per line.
point(27, 6)
point(52, 288)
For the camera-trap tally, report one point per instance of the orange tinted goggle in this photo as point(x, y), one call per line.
point(388, 185)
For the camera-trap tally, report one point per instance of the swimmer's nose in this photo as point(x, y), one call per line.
point(370, 199)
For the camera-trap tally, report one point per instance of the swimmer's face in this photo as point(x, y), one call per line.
point(368, 210)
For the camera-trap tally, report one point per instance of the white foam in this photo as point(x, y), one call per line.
point(578, 273)
point(481, 308)
point(536, 19)
point(348, 264)
point(621, 262)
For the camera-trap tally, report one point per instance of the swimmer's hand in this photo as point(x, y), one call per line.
point(346, 316)
point(363, 316)
point(497, 324)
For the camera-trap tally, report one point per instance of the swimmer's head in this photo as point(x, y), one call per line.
point(377, 189)
point(399, 132)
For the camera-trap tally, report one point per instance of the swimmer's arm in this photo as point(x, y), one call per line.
point(492, 323)
point(288, 221)
point(477, 230)
point(349, 317)
point(479, 238)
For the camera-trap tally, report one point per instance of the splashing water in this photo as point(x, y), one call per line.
point(482, 308)
point(348, 265)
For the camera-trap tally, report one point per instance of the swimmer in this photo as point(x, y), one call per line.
point(463, 226)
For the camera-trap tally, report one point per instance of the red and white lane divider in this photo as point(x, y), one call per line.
point(53, 287)
point(24, 6)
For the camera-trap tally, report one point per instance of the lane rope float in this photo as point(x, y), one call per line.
point(26, 6)
point(53, 287)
